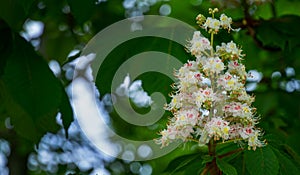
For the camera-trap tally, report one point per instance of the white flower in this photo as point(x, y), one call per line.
point(187, 117)
point(218, 128)
point(225, 21)
point(231, 48)
point(167, 136)
point(213, 65)
point(234, 67)
point(253, 140)
point(175, 102)
point(244, 97)
point(237, 109)
point(230, 82)
point(212, 23)
point(198, 44)
point(189, 66)
point(203, 95)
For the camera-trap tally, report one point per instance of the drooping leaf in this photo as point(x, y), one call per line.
point(262, 161)
point(225, 167)
point(33, 92)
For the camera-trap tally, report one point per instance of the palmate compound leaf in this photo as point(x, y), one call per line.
point(286, 163)
point(189, 164)
point(33, 94)
point(262, 161)
point(225, 167)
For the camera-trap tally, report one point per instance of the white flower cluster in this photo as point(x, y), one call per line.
point(210, 100)
point(212, 24)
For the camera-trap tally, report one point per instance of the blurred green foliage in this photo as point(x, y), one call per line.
point(31, 96)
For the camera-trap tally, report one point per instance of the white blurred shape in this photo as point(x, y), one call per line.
point(251, 86)
point(276, 75)
point(165, 9)
point(146, 169)
point(290, 71)
point(66, 9)
point(135, 167)
point(136, 26)
point(135, 92)
point(144, 151)
point(290, 86)
point(254, 76)
point(123, 89)
point(128, 156)
point(80, 67)
point(100, 171)
point(8, 124)
point(32, 29)
point(73, 53)
point(55, 67)
point(127, 4)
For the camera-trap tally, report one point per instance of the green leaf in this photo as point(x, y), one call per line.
point(26, 4)
point(184, 163)
point(223, 148)
point(56, 44)
point(287, 165)
point(82, 11)
point(5, 45)
point(262, 161)
point(239, 163)
point(33, 92)
point(66, 111)
point(207, 159)
point(225, 167)
point(15, 11)
point(280, 32)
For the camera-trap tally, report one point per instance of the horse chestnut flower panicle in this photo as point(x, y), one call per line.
point(210, 102)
